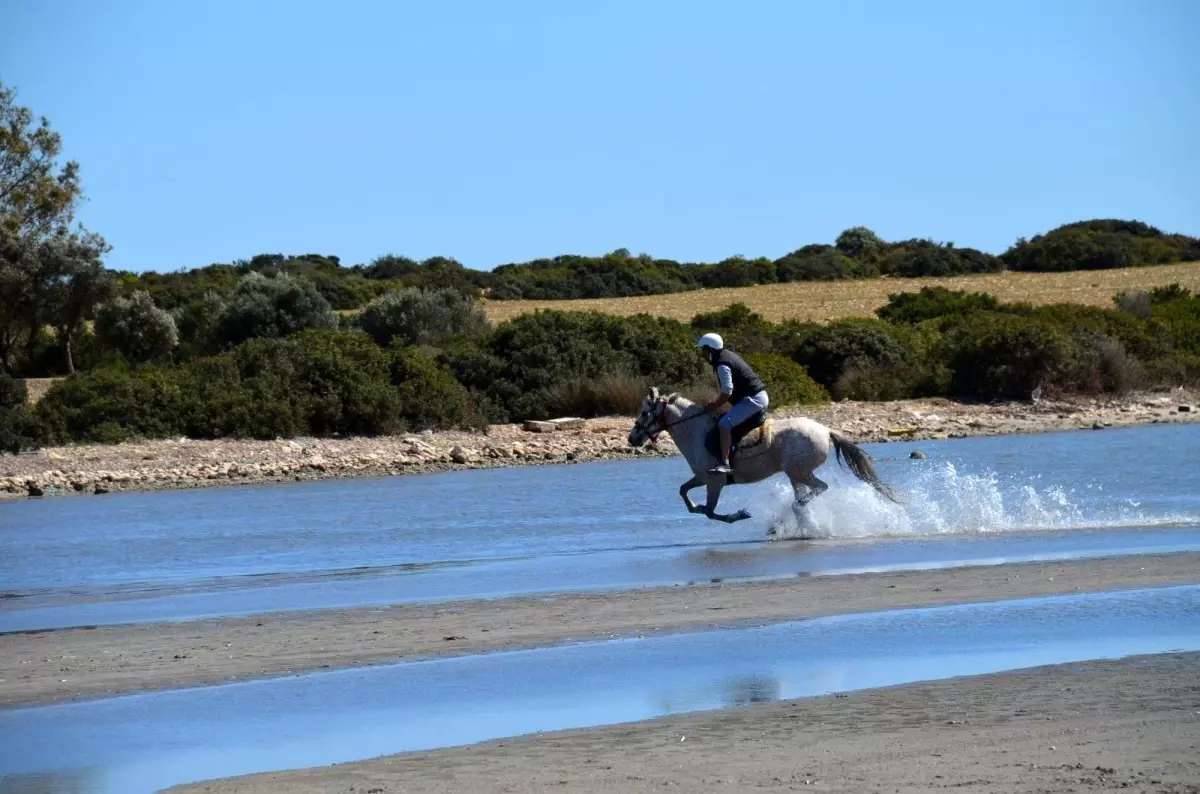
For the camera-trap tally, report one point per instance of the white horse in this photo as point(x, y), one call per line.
point(797, 446)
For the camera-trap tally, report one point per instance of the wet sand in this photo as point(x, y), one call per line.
point(188, 463)
point(69, 664)
point(1089, 727)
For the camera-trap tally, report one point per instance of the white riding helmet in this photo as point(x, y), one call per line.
point(711, 341)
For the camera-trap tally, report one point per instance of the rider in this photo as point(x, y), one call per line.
point(740, 386)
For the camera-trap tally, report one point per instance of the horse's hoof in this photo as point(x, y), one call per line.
point(741, 515)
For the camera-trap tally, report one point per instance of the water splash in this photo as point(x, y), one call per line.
point(941, 500)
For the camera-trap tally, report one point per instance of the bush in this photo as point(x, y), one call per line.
point(420, 317)
point(612, 394)
point(1181, 318)
point(787, 382)
point(272, 308)
point(848, 344)
point(1099, 245)
point(317, 383)
point(914, 258)
point(513, 373)
point(1136, 303)
point(1141, 339)
point(136, 328)
point(933, 302)
point(428, 395)
point(110, 406)
point(996, 355)
point(19, 429)
point(820, 263)
point(858, 242)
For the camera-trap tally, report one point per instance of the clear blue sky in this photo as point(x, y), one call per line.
point(502, 131)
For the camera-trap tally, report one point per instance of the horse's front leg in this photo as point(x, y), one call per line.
point(686, 488)
point(710, 504)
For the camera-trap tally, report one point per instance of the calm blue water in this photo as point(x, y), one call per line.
point(185, 554)
point(140, 743)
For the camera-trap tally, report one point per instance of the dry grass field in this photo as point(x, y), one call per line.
point(823, 301)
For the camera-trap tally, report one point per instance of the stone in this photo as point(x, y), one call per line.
point(35, 489)
point(916, 454)
point(535, 426)
point(459, 455)
point(99, 489)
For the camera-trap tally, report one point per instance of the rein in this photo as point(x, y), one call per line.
point(664, 426)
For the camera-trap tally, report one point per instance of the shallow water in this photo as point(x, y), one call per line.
point(143, 742)
point(186, 554)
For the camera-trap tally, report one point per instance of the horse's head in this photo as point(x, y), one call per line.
point(649, 421)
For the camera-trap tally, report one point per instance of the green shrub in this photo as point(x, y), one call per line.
point(513, 373)
point(136, 328)
point(858, 242)
point(1181, 317)
point(317, 383)
point(997, 355)
point(1099, 245)
point(820, 263)
point(848, 344)
point(272, 308)
point(787, 382)
point(107, 406)
point(1141, 339)
point(933, 302)
point(428, 395)
point(419, 317)
point(19, 428)
point(914, 258)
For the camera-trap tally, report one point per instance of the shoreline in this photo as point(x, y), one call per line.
point(42, 667)
point(1096, 726)
point(175, 464)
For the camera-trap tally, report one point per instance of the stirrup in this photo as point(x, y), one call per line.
point(720, 468)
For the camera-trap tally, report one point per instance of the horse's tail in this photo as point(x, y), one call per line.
point(859, 462)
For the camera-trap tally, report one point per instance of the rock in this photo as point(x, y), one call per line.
point(99, 489)
point(459, 455)
point(35, 489)
point(917, 454)
point(572, 456)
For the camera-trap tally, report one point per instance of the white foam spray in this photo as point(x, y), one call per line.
point(939, 500)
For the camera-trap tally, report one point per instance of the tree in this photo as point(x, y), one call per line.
point(51, 276)
point(37, 198)
point(272, 308)
point(16, 262)
point(859, 240)
point(75, 281)
point(416, 316)
point(137, 328)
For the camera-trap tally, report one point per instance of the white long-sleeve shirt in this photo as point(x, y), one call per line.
point(725, 379)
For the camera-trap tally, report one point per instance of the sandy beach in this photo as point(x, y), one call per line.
point(1129, 725)
point(70, 664)
point(190, 463)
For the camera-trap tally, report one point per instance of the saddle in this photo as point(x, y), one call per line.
point(751, 438)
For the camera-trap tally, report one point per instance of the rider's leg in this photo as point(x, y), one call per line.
point(726, 442)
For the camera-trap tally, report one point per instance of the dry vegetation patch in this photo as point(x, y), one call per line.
point(823, 301)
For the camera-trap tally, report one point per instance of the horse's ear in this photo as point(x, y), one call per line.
point(654, 393)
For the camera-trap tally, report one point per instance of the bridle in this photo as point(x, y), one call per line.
point(660, 420)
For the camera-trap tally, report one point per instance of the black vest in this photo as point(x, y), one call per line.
point(746, 382)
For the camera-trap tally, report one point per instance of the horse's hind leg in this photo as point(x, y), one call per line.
point(813, 487)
